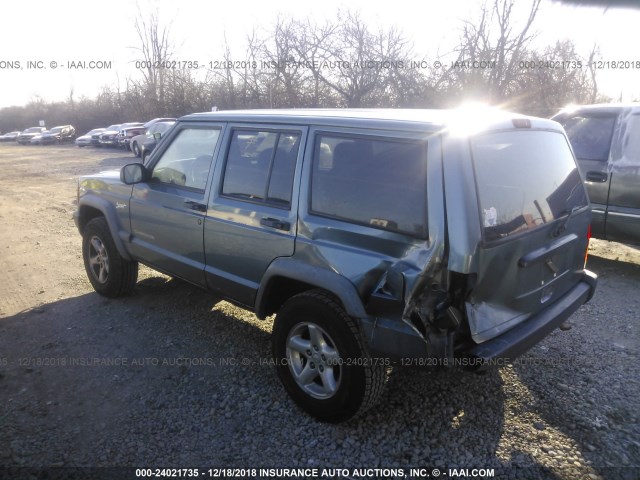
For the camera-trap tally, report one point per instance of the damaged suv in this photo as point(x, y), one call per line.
point(377, 237)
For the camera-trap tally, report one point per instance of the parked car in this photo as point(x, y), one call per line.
point(59, 134)
point(606, 142)
point(108, 138)
point(37, 138)
point(375, 236)
point(156, 120)
point(153, 135)
point(9, 136)
point(152, 128)
point(87, 138)
point(95, 138)
point(25, 137)
point(126, 134)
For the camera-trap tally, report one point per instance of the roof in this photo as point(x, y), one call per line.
point(388, 119)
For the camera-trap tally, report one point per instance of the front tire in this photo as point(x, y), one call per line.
point(109, 273)
point(136, 149)
point(321, 358)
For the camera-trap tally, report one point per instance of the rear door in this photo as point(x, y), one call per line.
point(252, 213)
point(590, 134)
point(534, 215)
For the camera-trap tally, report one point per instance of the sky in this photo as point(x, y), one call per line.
point(51, 34)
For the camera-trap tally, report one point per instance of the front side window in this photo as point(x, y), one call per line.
point(590, 135)
point(260, 166)
point(376, 182)
point(186, 162)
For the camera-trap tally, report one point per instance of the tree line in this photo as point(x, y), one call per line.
point(344, 63)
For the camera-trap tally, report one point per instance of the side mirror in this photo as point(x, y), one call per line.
point(157, 136)
point(133, 173)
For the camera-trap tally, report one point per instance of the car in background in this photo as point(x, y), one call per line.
point(96, 137)
point(85, 140)
point(135, 145)
point(59, 134)
point(9, 136)
point(606, 142)
point(108, 138)
point(37, 138)
point(152, 137)
point(126, 134)
point(156, 120)
point(25, 137)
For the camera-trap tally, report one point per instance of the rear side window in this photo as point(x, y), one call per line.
point(524, 179)
point(376, 182)
point(590, 135)
point(260, 166)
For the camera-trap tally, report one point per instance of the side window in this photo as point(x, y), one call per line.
point(260, 166)
point(375, 182)
point(631, 142)
point(590, 136)
point(186, 162)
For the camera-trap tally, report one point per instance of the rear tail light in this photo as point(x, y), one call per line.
point(586, 252)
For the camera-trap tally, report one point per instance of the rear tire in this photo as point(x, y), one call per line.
point(135, 149)
point(321, 358)
point(109, 273)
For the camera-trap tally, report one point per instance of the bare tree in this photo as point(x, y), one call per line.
point(156, 50)
point(491, 50)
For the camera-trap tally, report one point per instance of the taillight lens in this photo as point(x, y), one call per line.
point(586, 252)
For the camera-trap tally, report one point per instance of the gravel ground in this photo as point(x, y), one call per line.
point(172, 377)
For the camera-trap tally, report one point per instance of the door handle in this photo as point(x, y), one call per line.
point(275, 223)
point(199, 207)
point(599, 177)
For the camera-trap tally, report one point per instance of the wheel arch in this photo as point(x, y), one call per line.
point(94, 207)
point(286, 277)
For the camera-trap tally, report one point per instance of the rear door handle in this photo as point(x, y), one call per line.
point(199, 207)
point(275, 223)
point(599, 177)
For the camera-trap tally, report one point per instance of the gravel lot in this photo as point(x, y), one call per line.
point(189, 384)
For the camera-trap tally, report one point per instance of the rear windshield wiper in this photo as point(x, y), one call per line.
point(563, 226)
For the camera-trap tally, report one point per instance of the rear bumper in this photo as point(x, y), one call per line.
point(395, 339)
point(522, 337)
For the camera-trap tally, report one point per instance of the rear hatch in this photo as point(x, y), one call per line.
point(535, 217)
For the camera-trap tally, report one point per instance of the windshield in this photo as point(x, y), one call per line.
point(590, 135)
point(113, 127)
point(95, 130)
point(524, 179)
point(33, 130)
point(56, 130)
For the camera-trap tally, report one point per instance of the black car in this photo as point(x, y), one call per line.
point(153, 136)
point(59, 134)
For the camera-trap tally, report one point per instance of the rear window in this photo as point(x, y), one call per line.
point(590, 135)
point(524, 179)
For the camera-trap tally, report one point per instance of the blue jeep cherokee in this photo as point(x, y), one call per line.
point(377, 237)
